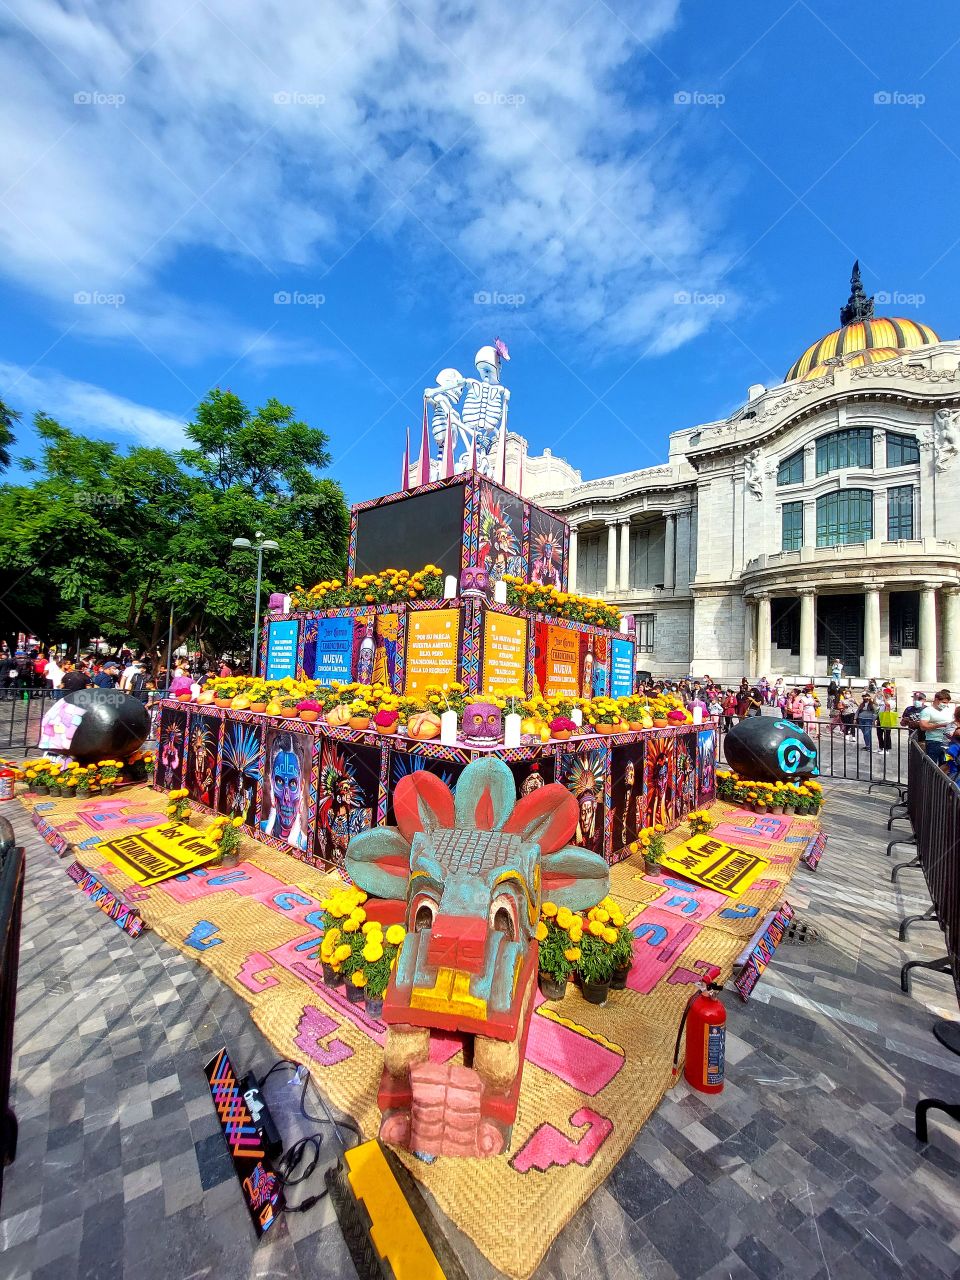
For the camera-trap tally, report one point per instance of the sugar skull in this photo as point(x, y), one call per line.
point(474, 581)
point(287, 792)
point(482, 723)
point(472, 868)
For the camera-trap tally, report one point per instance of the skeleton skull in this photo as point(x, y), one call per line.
point(482, 723)
point(474, 581)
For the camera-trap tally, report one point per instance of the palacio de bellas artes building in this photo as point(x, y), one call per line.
point(821, 520)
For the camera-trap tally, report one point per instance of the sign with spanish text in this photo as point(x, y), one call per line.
point(334, 650)
point(558, 658)
point(433, 637)
point(282, 650)
point(504, 651)
point(621, 669)
point(147, 857)
point(715, 865)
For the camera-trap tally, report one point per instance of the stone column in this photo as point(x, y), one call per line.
point(763, 634)
point(611, 557)
point(927, 672)
point(950, 603)
point(808, 631)
point(749, 662)
point(572, 560)
point(872, 662)
point(624, 581)
point(670, 553)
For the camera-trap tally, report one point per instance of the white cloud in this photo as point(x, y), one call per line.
point(500, 130)
point(81, 406)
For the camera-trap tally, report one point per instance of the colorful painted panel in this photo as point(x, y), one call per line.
point(433, 643)
point(626, 778)
point(582, 772)
point(594, 665)
point(388, 639)
point(547, 537)
point(240, 770)
point(172, 747)
point(504, 651)
point(621, 668)
point(348, 795)
point(557, 660)
point(659, 781)
point(706, 765)
point(285, 803)
point(402, 763)
point(501, 533)
point(282, 649)
point(531, 775)
point(686, 775)
point(202, 757)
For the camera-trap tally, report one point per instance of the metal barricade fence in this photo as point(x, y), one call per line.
point(21, 711)
point(845, 754)
point(933, 803)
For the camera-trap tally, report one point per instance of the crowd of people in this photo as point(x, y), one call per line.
point(140, 676)
point(870, 714)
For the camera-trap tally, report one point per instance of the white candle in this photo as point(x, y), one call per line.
point(449, 587)
point(511, 731)
point(448, 728)
point(500, 593)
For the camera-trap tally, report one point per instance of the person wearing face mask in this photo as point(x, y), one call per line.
point(937, 723)
point(912, 713)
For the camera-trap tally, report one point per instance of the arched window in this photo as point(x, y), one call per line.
point(844, 516)
point(790, 470)
point(853, 448)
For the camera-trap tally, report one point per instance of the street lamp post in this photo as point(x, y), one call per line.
point(260, 545)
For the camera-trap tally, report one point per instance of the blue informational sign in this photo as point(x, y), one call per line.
point(621, 669)
point(282, 650)
point(334, 650)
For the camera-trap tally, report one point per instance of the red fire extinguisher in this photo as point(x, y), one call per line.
point(705, 1020)
point(7, 779)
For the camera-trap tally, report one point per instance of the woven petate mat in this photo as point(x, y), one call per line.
point(592, 1075)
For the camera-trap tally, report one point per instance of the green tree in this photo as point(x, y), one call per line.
point(8, 419)
point(108, 541)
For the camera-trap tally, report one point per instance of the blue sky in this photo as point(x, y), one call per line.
point(391, 167)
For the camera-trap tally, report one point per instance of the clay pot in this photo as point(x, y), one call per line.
point(259, 707)
point(355, 994)
point(69, 791)
point(289, 713)
point(42, 791)
point(595, 992)
point(776, 808)
point(359, 722)
point(374, 1006)
point(618, 981)
point(222, 702)
point(310, 716)
point(634, 726)
point(387, 730)
point(184, 697)
point(606, 729)
point(550, 988)
point(660, 724)
point(561, 735)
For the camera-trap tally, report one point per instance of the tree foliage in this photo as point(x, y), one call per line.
point(108, 541)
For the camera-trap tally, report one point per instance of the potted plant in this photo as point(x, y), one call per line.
point(68, 783)
point(178, 805)
point(604, 714)
point(386, 721)
point(561, 728)
point(378, 958)
point(84, 781)
point(342, 916)
point(110, 771)
point(309, 710)
point(597, 959)
point(559, 933)
point(223, 834)
point(622, 948)
point(700, 822)
point(652, 844)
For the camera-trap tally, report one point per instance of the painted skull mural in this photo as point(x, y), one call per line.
point(473, 867)
point(286, 787)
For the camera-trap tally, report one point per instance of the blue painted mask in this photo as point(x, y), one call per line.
point(287, 784)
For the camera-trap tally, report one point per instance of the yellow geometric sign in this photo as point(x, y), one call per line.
point(158, 853)
point(715, 865)
point(433, 641)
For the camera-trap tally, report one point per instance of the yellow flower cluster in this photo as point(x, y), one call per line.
point(560, 604)
point(389, 586)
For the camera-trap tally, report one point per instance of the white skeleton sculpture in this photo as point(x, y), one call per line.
point(474, 409)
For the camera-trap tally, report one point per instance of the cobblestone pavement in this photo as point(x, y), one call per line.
point(805, 1166)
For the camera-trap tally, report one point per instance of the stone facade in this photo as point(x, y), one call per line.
point(821, 520)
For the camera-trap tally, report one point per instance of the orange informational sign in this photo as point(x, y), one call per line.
point(433, 641)
point(560, 661)
point(504, 652)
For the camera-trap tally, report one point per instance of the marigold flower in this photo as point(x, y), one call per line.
point(572, 954)
point(359, 979)
point(549, 909)
point(396, 934)
point(541, 931)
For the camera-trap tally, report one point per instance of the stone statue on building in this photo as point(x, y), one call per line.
point(946, 437)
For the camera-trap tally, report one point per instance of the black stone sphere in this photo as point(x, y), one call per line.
point(114, 727)
point(764, 749)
